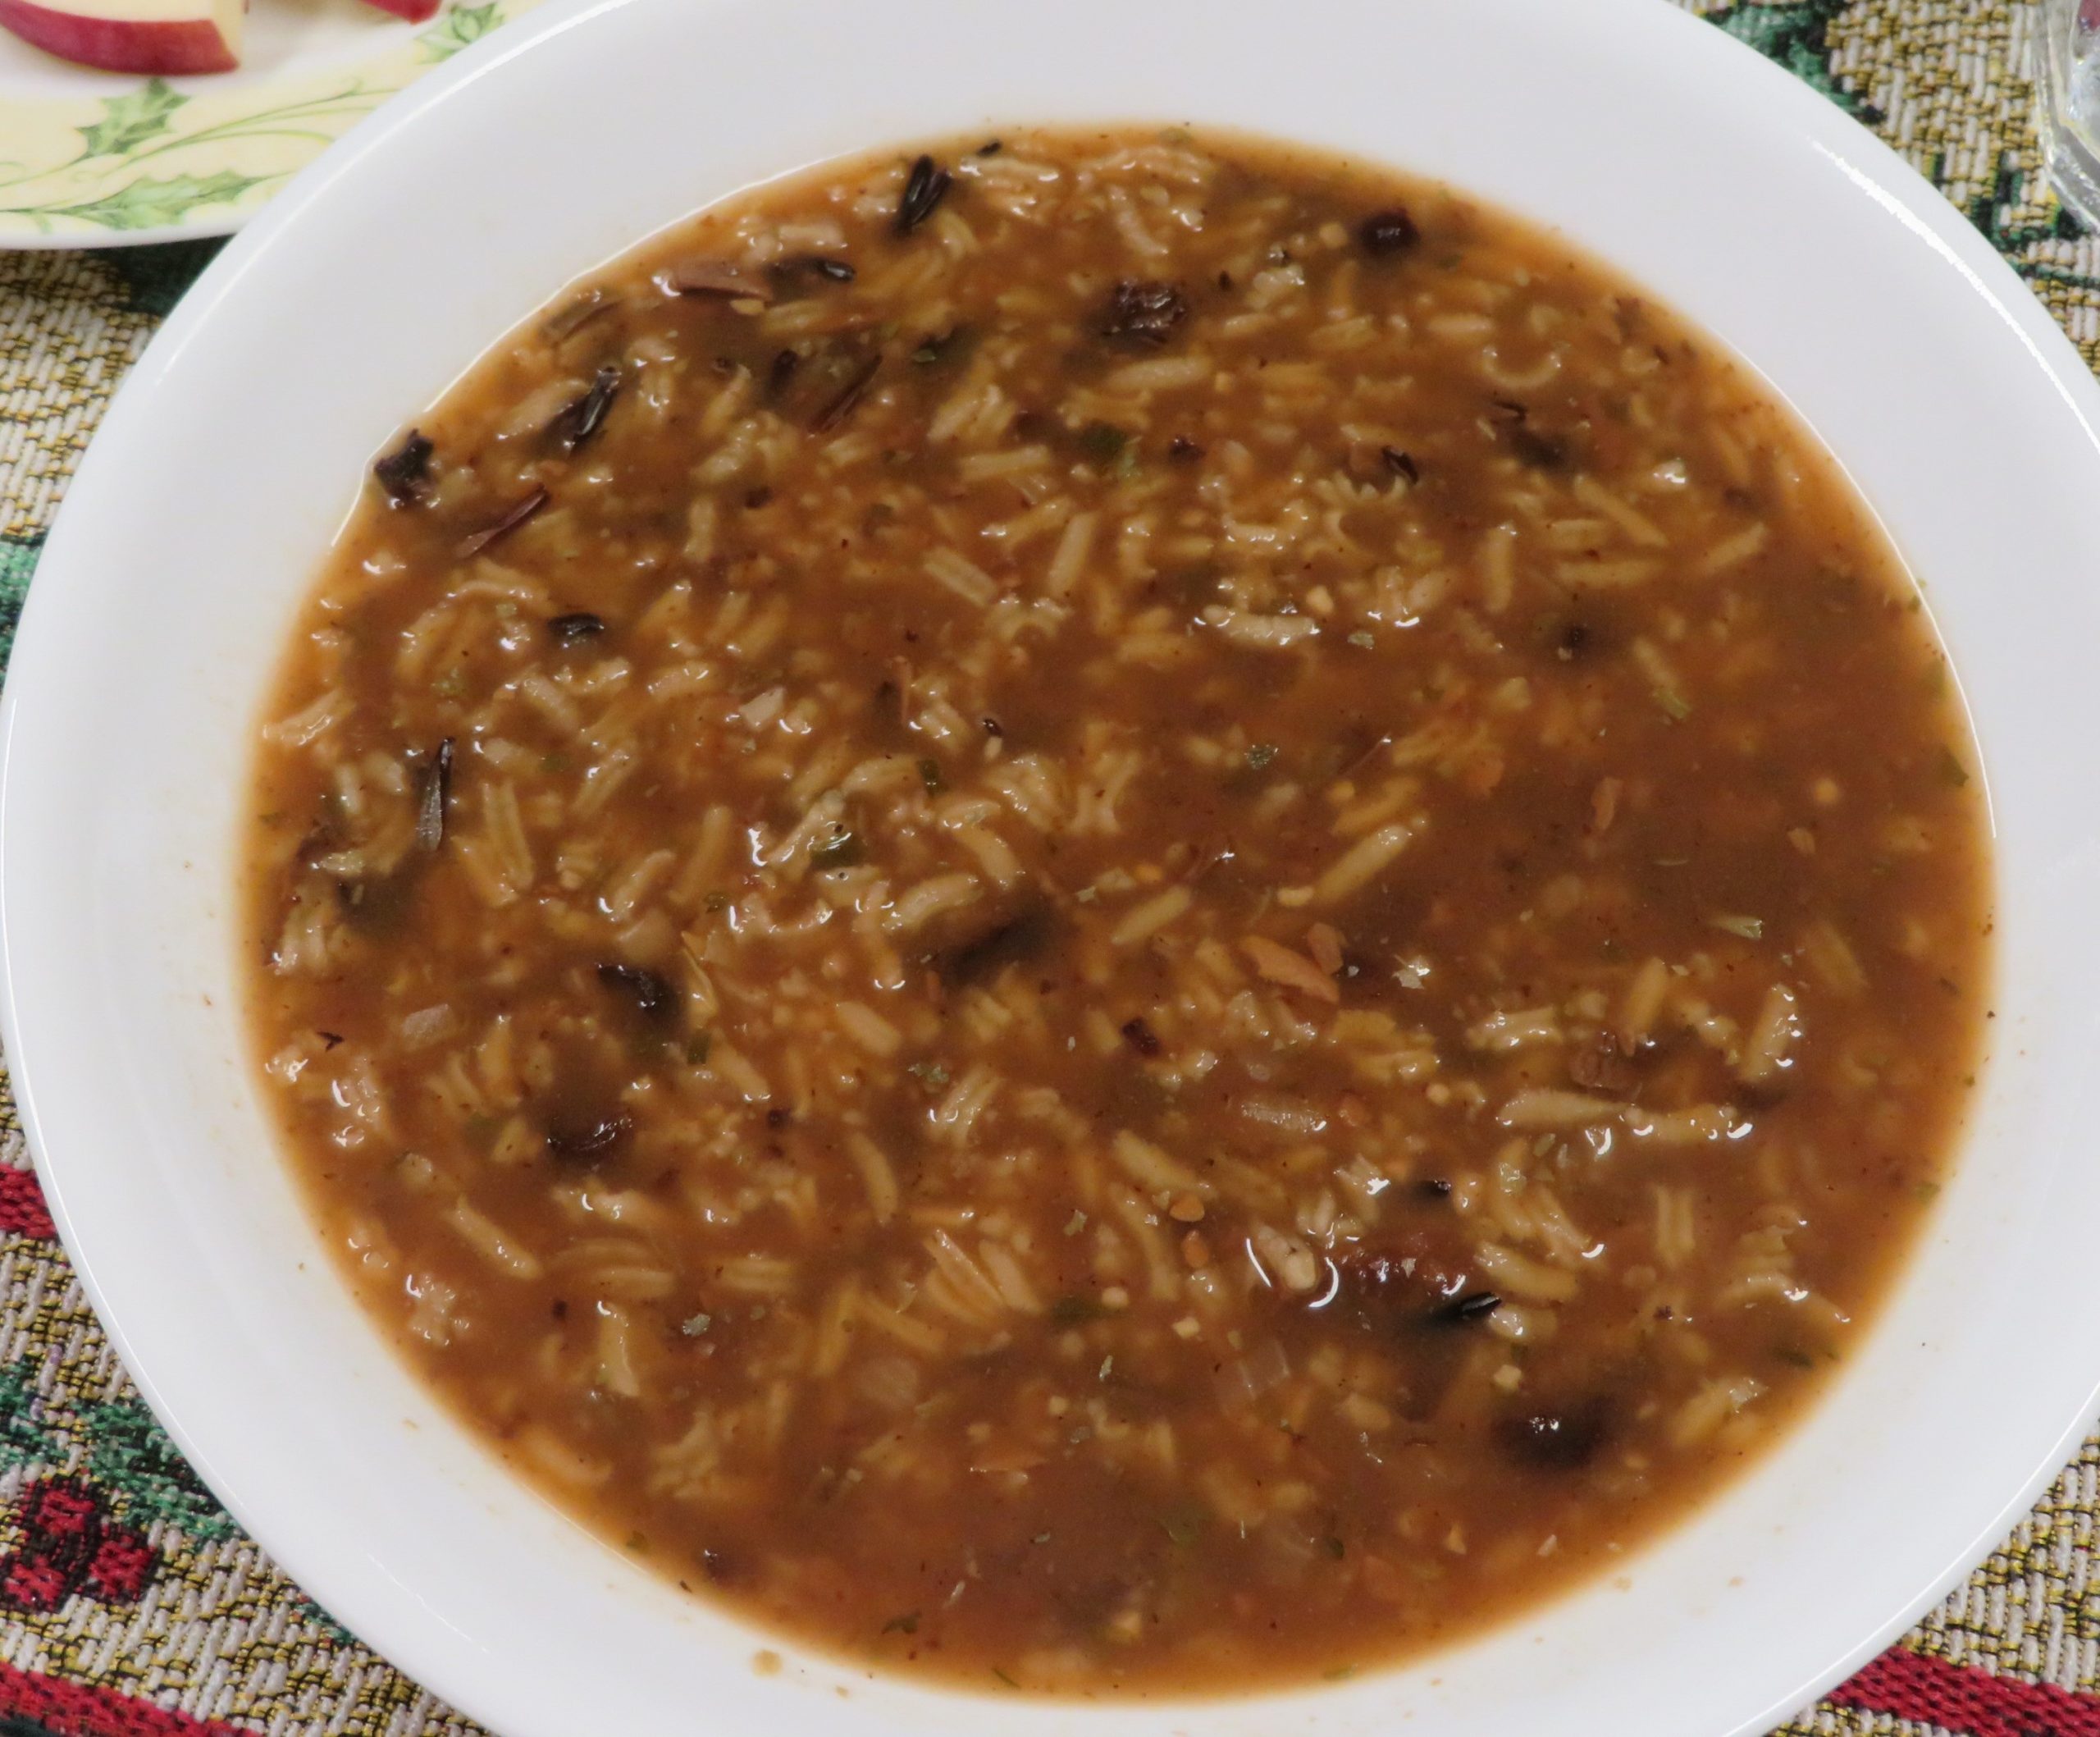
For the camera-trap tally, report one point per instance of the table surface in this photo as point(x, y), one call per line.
point(130, 1603)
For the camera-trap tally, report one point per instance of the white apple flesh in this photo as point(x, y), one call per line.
point(159, 36)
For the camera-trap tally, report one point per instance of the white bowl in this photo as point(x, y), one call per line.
point(1730, 191)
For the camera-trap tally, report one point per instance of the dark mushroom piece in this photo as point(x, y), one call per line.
point(652, 994)
point(514, 516)
point(924, 188)
point(1386, 235)
point(575, 629)
point(586, 1143)
point(404, 472)
point(1012, 942)
point(583, 417)
point(722, 277)
point(841, 403)
point(433, 798)
point(1143, 313)
point(1561, 1438)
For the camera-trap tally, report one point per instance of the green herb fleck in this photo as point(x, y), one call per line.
point(907, 1624)
point(1184, 1526)
point(1926, 1192)
point(1951, 772)
point(1260, 756)
point(931, 1075)
point(716, 903)
point(1004, 1677)
point(929, 775)
point(1341, 1673)
point(1363, 638)
point(1041, 1537)
point(1335, 1548)
point(698, 1046)
point(843, 851)
point(554, 763)
point(1748, 928)
point(1674, 705)
point(1070, 1311)
point(637, 1542)
point(1076, 1223)
point(694, 1325)
point(1794, 1355)
point(1103, 443)
point(450, 685)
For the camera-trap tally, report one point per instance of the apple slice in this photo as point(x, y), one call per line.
point(166, 36)
point(416, 11)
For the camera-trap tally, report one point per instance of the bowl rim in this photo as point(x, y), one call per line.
point(403, 1629)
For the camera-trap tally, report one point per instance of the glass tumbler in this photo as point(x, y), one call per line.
point(2071, 102)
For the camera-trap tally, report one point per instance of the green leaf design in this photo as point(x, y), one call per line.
point(128, 1451)
point(1797, 35)
point(146, 204)
point(24, 1439)
point(460, 27)
point(128, 122)
point(17, 562)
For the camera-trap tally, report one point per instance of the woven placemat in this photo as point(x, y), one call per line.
point(132, 1606)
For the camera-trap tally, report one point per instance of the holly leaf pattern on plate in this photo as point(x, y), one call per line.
point(459, 28)
point(146, 204)
point(128, 122)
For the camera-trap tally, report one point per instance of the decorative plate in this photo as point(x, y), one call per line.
point(100, 159)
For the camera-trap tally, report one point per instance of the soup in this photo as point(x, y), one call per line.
point(1112, 913)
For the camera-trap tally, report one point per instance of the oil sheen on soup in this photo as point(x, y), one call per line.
point(1112, 913)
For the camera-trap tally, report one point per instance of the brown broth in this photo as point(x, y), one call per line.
point(1156, 922)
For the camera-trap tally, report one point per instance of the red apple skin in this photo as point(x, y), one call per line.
point(189, 45)
point(416, 11)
